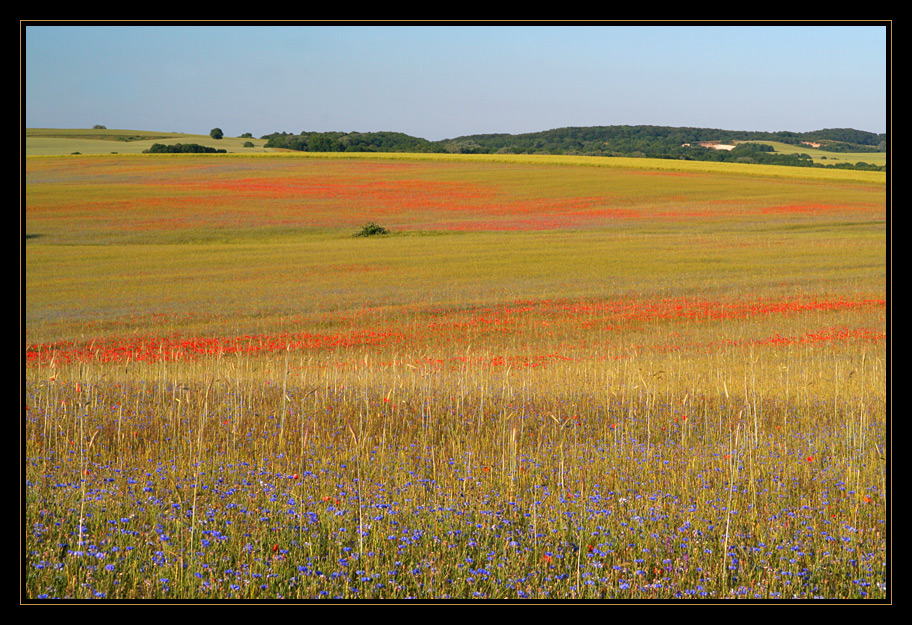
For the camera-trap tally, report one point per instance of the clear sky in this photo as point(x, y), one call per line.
point(438, 82)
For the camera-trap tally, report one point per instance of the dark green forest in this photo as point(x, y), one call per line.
point(638, 141)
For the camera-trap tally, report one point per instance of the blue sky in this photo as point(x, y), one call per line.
point(441, 82)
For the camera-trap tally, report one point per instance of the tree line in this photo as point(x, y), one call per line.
point(643, 141)
point(349, 142)
point(182, 148)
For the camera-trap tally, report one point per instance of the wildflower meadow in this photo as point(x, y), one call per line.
point(546, 379)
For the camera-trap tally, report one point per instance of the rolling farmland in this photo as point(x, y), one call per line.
point(556, 378)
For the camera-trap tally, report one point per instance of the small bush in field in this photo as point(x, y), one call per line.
point(371, 229)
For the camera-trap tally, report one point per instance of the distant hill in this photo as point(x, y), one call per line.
point(843, 148)
point(60, 141)
point(646, 141)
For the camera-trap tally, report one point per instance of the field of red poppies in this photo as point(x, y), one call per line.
point(554, 379)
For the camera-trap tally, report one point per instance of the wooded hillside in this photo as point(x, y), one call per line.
point(645, 141)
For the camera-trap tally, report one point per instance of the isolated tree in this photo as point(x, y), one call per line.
point(216, 133)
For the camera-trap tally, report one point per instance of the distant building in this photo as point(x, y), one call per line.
point(713, 145)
